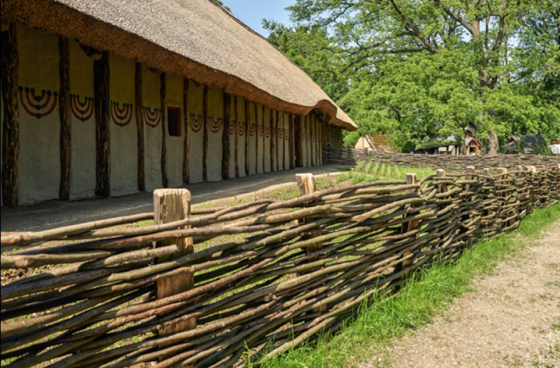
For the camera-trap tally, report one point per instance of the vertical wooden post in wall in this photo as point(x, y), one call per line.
point(298, 141)
point(271, 120)
point(246, 137)
point(306, 184)
point(102, 126)
point(225, 136)
point(187, 139)
point(256, 139)
point(10, 132)
point(205, 134)
point(284, 141)
point(173, 205)
point(263, 142)
point(236, 134)
point(64, 116)
point(139, 105)
point(291, 143)
point(277, 150)
point(308, 139)
point(164, 130)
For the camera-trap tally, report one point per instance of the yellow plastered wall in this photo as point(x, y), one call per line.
point(175, 144)
point(39, 156)
point(215, 112)
point(124, 139)
point(152, 135)
point(83, 150)
point(194, 101)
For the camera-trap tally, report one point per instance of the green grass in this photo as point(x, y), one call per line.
point(417, 303)
point(366, 172)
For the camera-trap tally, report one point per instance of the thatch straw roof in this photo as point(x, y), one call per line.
point(530, 143)
point(197, 39)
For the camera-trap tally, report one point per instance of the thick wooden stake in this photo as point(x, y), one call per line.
point(284, 141)
point(306, 184)
point(139, 104)
point(246, 138)
point(236, 134)
point(64, 117)
point(411, 225)
point(187, 141)
point(102, 126)
point(10, 132)
point(173, 205)
point(298, 141)
point(225, 137)
point(205, 134)
point(164, 130)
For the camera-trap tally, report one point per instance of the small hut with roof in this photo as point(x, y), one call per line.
point(107, 98)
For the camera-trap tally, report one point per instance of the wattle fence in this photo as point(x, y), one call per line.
point(205, 288)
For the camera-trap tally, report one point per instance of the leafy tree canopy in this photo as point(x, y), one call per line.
point(415, 69)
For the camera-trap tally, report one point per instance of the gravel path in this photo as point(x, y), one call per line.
point(511, 320)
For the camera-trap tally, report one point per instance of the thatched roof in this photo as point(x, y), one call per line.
point(197, 39)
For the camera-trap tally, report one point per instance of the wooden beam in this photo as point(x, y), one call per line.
point(246, 137)
point(284, 141)
point(187, 139)
point(164, 130)
point(277, 142)
point(291, 143)
point(272, 131)
point(225, 136)
point(236, 134)
point(64, 118)
point(102, 126)
point(173, 205)
point(139, 99)
point(10, 132)
point(298, 140)
point(263, 142)
point(205, 134)
point(256, 139)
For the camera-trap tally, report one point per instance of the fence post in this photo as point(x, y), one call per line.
point(411, 225)
point(172, 205)
point(306, 184)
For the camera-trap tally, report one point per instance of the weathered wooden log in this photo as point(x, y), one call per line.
point(65, 118)
point(164, 128)
point(225, 136)
point(101, 99)
point(205, 134)
point(139, 105)
point(187, 139)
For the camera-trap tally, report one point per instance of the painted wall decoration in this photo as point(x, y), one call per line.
point(152, 118)
point(241, 129)
point(261, 130)
point(252, 129)
point(232, 127)
point(280, 133)
point(286, 133)
point(121, 116)
point(267, 132)
point(82, 111)
point(37, 105)
point(215, 125)
point(195, 122)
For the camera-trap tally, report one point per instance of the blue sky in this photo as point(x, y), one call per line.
point(251, 12)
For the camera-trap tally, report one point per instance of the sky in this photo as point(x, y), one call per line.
point(251, 12)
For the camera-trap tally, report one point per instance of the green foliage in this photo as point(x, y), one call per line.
point(222, 4)
point(414, 69)
point(543, 150)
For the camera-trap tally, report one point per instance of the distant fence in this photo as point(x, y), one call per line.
point(263, 276)
point(351, 156)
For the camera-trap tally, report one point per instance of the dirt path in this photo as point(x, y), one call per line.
point(511, 320)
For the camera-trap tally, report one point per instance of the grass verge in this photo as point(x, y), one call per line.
point(417, 303)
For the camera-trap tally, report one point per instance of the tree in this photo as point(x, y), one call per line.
point(471, 63)
point(222, 4)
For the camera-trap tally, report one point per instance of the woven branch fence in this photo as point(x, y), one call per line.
point(351, 156)
point(201, 288)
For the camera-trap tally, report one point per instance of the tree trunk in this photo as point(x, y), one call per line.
point(491, 144)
